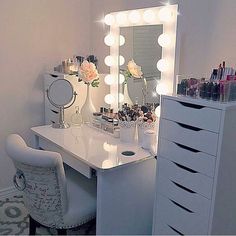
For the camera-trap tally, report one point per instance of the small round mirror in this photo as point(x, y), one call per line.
point(61, 95)
point(61, 92)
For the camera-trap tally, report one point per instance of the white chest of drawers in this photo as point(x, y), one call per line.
point(196, 168)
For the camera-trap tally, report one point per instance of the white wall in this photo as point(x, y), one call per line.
point(35, 36)
point(221, 44)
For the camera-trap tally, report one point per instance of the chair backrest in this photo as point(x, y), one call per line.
point(45, 193)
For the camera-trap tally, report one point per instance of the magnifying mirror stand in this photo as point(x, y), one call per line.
point(61, 124)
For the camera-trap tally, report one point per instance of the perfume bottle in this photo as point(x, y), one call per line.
point(76, 118)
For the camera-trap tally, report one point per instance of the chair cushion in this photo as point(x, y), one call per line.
point(81, 195)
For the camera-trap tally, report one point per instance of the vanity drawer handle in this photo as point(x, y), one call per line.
point(56, 112)
point(184, 208)
point(54, 76)
point(189, 127)
point(184, 188)
point(187, 148)
point(185, 168)
point(191, 105)
point(175, 230)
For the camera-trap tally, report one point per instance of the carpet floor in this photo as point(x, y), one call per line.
point(14, 220)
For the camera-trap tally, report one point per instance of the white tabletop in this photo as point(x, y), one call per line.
point(97, 149)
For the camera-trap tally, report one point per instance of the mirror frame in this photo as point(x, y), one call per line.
point(167, 83)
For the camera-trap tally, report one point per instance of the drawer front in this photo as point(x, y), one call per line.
point(191, 114)
point(184, 196)
point(201, 140)
point(179, 217)
point(186, 177)
point(191, 158)
point(68, 159)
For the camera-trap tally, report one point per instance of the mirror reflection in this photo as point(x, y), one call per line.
point(141, 52)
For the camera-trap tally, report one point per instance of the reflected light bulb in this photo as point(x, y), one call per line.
point(122, 40)
point(161, 89)
point(121, 79)
point(121, 60)
point(109, 79)
point(134, 17)
point(121, 18)
point(121, 97)
point(107, 164)
point(165, 14)
point(109, 40)
point(149, 16)
point(164, 40)
point(109, 61)
point(162, 65)
point(109, 99)
point(109, 19)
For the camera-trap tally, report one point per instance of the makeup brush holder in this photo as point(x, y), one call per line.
point(127, 131)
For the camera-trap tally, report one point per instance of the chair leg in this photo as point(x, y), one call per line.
point(61, 231)
point(32, 226)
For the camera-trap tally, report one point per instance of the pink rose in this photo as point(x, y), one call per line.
point(135, 70)
point(88, 72)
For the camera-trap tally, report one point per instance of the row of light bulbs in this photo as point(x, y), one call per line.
point(135, 17)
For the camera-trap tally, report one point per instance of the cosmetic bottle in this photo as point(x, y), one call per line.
point(76, 118)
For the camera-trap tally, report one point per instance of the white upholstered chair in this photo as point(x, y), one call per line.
point(54, 198)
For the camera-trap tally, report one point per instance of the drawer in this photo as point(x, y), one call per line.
point(191, 158)
point(186, 177)
point(192, 114)
point(68, 159)
point(184, 196)
point(201, 140)
point(180, 218)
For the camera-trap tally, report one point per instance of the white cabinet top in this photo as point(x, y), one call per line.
point(97, 149)
point(203, 102)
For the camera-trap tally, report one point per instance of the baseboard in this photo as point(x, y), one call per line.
point(8, 192)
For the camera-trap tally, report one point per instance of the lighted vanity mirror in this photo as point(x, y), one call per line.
point(142, 47)
point(129, 30)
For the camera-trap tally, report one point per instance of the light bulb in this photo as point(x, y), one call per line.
point(164, 40)
point(109, 19)
point(121, 60)
point(161, 89)
point(121, 97)
point(165, 14)
point(162, 65)
point(109, 99)
point(134, 17)
point(109, 79)
point(158, 111)
point(121, 18)
point(121, 79)
point(122, 40)
point(149, 16)
point(109, 40)
point(109, 61)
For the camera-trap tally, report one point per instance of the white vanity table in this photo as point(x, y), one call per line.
point(125, 184)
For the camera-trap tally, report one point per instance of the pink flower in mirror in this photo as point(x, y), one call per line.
point(135, 70)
